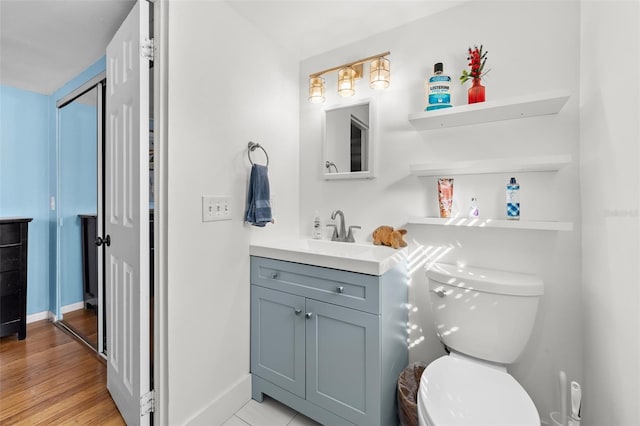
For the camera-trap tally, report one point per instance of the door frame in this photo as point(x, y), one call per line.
point(160, 273)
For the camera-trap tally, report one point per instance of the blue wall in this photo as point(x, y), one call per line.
point(28, 178)
point(24, 180)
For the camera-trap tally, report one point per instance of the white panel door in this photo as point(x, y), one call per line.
point(127, 216)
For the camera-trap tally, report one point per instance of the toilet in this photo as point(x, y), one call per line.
point(484, 318)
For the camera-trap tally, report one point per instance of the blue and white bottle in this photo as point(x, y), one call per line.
point(438, 89)
point(513, 199)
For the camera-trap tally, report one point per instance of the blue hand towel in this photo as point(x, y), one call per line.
point(259, 199)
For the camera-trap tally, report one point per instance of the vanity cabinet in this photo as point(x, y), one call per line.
point(13, 276)
point(328, 343)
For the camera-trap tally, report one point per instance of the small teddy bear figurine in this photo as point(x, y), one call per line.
point(387, 236)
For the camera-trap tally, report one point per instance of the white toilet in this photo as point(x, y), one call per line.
point(484, 317)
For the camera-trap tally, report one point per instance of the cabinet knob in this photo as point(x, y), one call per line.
point(308, 315)
point(274, 275)
point(298, 311)
point(340, 289)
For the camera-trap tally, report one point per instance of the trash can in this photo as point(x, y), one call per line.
point(408, 383)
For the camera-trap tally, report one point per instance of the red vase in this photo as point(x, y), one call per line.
point(476, 92)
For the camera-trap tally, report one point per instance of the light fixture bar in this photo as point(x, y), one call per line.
point(350, 64)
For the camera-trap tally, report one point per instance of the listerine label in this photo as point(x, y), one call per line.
point(439, 90)
point(439, 98)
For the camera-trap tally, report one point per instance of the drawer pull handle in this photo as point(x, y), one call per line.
point(308, 315)
point(340, 289)
point(298, 311)
point(274, 275)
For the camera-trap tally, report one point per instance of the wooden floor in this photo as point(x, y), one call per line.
point(85, 323)
point(51, 378)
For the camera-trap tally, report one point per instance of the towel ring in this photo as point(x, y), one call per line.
point(252, 146)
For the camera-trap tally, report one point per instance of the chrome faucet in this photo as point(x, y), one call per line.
point(340, 234)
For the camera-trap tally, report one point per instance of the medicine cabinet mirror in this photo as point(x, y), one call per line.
point(348, 142)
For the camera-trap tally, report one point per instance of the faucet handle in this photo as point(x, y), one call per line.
point(334, 235)
point(350, 238)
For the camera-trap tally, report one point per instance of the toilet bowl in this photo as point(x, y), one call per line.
point(463, 392)
point(484, 318)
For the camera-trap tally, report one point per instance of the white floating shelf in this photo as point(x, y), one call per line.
point(550, 163)
point(493, 223)
point(493, 110)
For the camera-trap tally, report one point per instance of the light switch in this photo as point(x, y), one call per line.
point(216, 208)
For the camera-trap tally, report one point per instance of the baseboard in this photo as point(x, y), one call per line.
point(224, 406)
point(72, 307)
point(39, 316)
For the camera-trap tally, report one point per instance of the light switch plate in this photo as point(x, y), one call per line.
point(216, 208)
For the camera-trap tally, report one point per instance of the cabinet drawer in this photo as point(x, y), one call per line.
point(10, 258)
point(9, 233)
point(348, 289)
point(10, 283)
point(10, 308)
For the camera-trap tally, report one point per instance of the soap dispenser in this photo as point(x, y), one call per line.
point(317, 229)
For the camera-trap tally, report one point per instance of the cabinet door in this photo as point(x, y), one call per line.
point(343, 361)
point(277, 338)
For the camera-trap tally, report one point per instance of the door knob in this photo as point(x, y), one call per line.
point(106, 241)
point(308, 315)
point(298, 311)
point(340, 289)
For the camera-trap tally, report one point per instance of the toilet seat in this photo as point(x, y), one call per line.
point(461, 391)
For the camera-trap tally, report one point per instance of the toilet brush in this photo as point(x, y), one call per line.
point(563, 398)
point(576, 397)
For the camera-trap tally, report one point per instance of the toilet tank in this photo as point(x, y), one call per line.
point(487, 314)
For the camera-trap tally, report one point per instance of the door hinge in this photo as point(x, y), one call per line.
point(147, 48)
point(148, 403)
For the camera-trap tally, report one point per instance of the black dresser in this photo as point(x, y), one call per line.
point(13, 276)
point(88, 233)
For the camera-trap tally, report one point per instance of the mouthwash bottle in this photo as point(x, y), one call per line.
point(438, 89)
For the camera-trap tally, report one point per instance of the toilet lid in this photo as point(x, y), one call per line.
point(459, 391)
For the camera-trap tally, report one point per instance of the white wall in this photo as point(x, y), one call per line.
point(533, 47)
point(609, 135)
point(227, 85)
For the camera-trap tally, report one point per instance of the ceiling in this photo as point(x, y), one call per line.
point(45, 43)
point(309, 27)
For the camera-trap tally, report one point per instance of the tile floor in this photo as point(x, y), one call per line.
point(268, 413)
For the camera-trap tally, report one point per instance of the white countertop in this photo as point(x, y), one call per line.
point(355, 257)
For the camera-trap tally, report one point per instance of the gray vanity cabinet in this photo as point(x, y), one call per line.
point(343, 361)
point(328, 343)
point(278, 338)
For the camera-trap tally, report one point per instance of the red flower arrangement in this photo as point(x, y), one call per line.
point(477, 60)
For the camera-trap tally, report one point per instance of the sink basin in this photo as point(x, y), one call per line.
point(354, 257)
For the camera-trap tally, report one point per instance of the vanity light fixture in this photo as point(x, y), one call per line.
point(347, 82)
point(316, 90)
point(379, 77)
point(379, 74)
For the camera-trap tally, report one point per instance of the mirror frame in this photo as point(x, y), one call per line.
point(96, 83)
point(371, 141)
